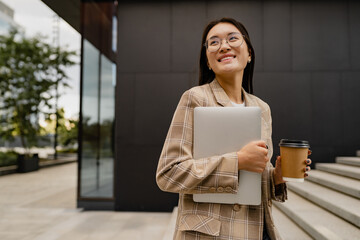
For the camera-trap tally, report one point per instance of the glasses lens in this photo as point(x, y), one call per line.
point(213, 44)
point(234, 40)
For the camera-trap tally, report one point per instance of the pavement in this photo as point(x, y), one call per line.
point(41, 205)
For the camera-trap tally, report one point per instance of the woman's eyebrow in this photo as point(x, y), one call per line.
point(216, 36)
point(233, 33)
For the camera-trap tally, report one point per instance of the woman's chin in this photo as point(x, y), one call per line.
point(225, 70)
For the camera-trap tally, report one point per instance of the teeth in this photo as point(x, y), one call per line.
point(226, 58)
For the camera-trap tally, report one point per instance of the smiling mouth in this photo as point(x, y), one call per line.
point(226, 58)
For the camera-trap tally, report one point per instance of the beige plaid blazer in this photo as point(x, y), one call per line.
point(179, 172)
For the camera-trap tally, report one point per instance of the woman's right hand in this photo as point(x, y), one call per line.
point(253, 157)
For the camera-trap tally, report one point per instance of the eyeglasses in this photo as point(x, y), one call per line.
point(234, 40)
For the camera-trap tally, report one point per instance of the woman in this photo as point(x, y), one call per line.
point(226, 68)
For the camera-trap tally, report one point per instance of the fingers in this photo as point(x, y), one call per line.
point(253, 156)
point(265, 151)
point(278, 161)
point(261, 144)
point(262, 147)
point(308, 161)
point(307, 169)
point(309, 152)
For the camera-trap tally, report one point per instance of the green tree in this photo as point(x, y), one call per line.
point(30, 69)
point(68, 129)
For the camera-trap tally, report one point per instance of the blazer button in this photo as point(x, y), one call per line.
point(228, 189)
point(212, 189)
point(220, 189)
point(236, 207)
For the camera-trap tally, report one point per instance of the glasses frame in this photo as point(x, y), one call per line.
point(222, 40)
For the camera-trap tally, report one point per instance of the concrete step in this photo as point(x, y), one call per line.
point(340, 204)
point(340, 169)
point(287, 228)
point(342, 184)
point(316, 221)
point(353, 161)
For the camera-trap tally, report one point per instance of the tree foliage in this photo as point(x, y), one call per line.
point(67, 128)
point(30, 70)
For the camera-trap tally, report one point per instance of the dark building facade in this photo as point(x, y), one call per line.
point(307, 69)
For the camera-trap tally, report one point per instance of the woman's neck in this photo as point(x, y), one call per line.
point(232, 86)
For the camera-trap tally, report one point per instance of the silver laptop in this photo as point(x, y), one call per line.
point(220, 130)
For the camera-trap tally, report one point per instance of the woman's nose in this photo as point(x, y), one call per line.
point(224, 45)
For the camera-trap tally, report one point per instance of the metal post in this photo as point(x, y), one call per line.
point(56, 42)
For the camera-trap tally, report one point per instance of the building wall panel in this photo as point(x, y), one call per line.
point(307, 70)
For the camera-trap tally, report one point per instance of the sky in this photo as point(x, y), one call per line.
point(36, 17)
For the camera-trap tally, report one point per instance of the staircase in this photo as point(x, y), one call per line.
point(326, 205)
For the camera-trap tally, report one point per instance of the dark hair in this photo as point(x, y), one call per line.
point(206, 75)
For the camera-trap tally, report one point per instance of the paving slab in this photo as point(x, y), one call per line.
point(340, 204)
point(342, 184)
point(170, 230)
point(340, 169)
point(316, 221)
point(354, 161)
point(41, 205)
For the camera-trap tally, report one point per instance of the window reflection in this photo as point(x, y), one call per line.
point(114, 33)
point(98, 106)
point(107, 108)
point(89, 119)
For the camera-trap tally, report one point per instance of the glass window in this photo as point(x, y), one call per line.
point(98, 112)
point(90, 114)
point(107, 108)
point(114, 33)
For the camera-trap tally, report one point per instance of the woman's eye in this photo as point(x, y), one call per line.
point(233, 38)
point(214, 42)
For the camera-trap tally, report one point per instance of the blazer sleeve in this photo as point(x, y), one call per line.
point(178, 171)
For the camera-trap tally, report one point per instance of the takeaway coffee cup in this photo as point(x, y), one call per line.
point(293, 155)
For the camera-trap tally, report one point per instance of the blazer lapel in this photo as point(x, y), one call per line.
point(220, 94)
point(249, 102)
point(223, 99)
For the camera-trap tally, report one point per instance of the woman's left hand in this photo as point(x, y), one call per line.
point(308, 162)
point(278, 175)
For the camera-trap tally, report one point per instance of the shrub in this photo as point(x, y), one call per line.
point(8, 159)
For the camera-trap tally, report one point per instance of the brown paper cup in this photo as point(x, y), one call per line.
point(293, 155)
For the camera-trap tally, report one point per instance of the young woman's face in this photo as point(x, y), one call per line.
point(227, 59)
